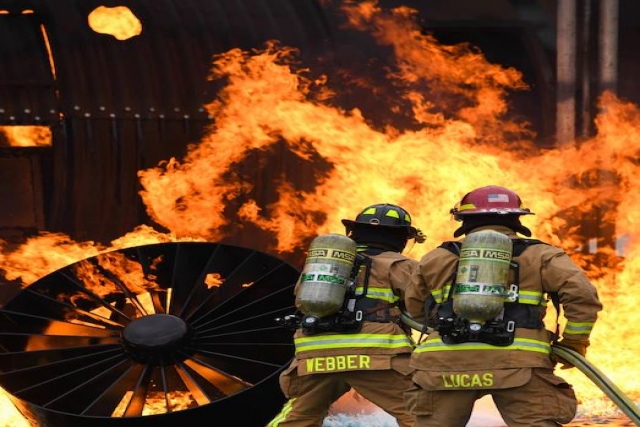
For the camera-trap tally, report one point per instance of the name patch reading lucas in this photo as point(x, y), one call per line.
point(467, 380)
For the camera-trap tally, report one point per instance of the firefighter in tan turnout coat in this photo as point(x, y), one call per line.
point(373, 357)
point(509, 356)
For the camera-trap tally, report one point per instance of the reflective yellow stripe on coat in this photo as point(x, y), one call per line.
point(383, 294)
point(531, 298)
point(525, 344)
point(578, 328)
point(326, 342)
point(524, 297)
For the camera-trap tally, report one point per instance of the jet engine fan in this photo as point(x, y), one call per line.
point(153, 334)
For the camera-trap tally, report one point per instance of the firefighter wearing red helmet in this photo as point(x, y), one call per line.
point(490, 200)
point(372, 359)
point(508, 355)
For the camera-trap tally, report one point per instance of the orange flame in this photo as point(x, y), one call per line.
point(464, 140)
point(118, 21)
point(48, 252)
point(465, 143)
point(25, 136)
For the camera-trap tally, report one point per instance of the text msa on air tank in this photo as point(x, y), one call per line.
point(325, 297)
point(479, 292)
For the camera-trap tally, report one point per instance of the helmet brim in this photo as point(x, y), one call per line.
point(412, 231)
point(460, 215)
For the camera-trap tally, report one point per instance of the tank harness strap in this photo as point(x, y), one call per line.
point(454, 247)
point(528, 315)
point(371, 250)
point(445, 309)
point(375, 310)
point(524, 315)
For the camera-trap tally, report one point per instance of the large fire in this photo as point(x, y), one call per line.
point(462, 139)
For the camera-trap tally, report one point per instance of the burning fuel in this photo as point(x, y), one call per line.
point(119, 21)
point(25, 136)
point(462, 137)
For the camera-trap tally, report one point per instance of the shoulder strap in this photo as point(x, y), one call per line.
point(362, 262)
point(452, 246)
point(519, 245)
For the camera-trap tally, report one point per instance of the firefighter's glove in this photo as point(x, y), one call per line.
point(579, 346)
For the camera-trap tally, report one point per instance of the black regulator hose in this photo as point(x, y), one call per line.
point(617, 396)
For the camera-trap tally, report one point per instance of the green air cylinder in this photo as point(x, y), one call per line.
point(483, 274)
point(326, 275)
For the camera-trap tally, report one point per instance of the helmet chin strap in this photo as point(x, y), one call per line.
point(410, 244)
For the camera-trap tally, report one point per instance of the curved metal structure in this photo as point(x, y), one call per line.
point(115, 107)
point(169, 332)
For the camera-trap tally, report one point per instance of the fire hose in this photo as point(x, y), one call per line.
point(617, 396)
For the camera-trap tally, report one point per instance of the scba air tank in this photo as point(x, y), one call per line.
point(326, 275)
point(482, 277)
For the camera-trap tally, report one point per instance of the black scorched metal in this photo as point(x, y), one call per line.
point(186, 328)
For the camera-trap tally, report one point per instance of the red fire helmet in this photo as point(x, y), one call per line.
point(491, 199)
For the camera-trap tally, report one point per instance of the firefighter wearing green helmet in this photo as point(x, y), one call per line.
point(477, 347)
point(368, 351)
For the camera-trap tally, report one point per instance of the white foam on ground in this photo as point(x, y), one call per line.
point(357, 412)
point(485, 414)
